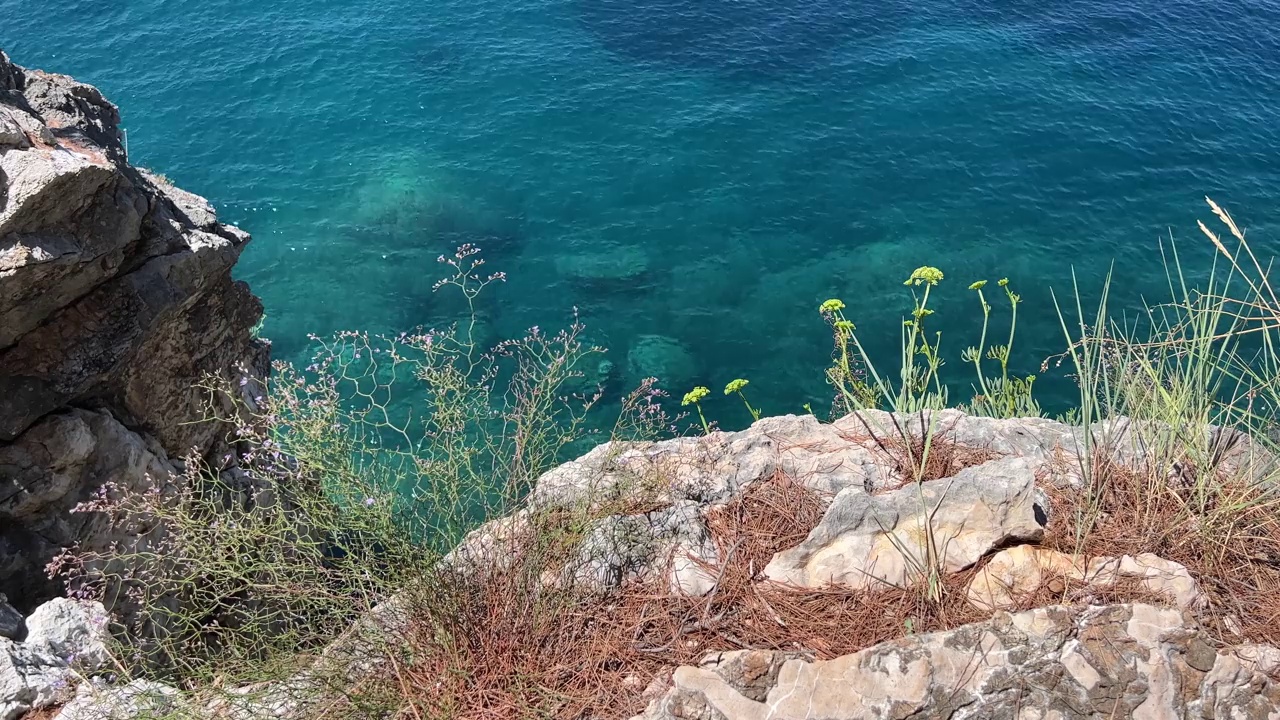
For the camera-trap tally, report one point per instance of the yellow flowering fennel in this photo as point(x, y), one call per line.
point(735, 386)
point(831, 306)
point(924, 275)
point(694, 398)
point(921, 385)
point(856, 393)
point(914, 393)
point(1003, 396)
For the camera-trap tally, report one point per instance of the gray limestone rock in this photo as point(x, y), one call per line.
point(66, 640)
point(31, 677)
point(74, 630)
point(133, 701)
point(116, 299)
point(669, 541)
point(11, 134)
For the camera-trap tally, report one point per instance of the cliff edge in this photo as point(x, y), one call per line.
point(116, 298)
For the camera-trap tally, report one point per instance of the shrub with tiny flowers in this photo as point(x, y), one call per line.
point(343, 483)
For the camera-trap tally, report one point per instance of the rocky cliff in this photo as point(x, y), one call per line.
point(116, 298)
point(1014, 569)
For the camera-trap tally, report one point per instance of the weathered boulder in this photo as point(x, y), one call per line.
point(1113, 662)
point(116, 299)
point(72, 629)
point(31, 677)
point(873, 518)
point(825, 457)
point(1019, 572)
point(715, 468)
point(897, 537)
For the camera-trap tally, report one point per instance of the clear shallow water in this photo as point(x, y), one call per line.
point(706, 170)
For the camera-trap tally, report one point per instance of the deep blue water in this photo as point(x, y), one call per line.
point(705, 170)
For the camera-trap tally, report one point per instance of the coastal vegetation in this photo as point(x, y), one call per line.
point(411, 565)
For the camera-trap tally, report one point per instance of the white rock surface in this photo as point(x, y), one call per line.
point(30, 677)
point(1018, 572)
point(136, 700)
point(66, 641)
point(74, 630)
point(1119, 662)
point(894, 538)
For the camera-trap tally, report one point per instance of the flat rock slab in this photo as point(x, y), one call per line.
point(864, 540)
point(1115, 662)
point(1016, 573)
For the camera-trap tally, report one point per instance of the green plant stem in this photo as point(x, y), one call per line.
point(706, 428)
point(982, 344)
point(1013, 325)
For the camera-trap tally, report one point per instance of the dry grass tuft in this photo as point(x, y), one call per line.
point(919, 452)
point(510, 647)
point(769, 517)
point(1226, 533)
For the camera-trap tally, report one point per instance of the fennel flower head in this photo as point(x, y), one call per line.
point(831, 306)
point(693, 396)
point(735, 386)
point(978, 285)
point(925, 275)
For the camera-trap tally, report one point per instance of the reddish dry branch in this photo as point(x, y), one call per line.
point(510, 646)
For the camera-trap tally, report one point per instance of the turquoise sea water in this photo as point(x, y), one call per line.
point(704, 170)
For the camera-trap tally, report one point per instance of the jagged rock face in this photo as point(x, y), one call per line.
point(116, 298)
point(67, 640)
point(1114, 662)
